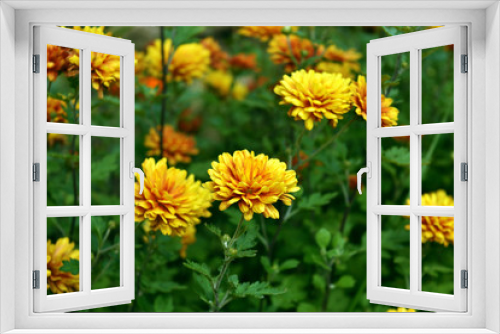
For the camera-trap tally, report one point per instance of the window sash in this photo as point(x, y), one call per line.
point(413, 43)
point(86, 298)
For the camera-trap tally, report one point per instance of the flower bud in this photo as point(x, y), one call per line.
point(233, 251)
point(286, 30)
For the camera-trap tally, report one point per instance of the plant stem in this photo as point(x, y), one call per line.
point(395, 73)
point(292, 56)
point(143, 268)
point(328, 282)
point(347, 211)
point(228, 258)
point(330, 141)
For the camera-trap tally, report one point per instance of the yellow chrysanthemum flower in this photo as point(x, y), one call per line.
point(222, 83)
point(93, 30)
point(172, 201)
point(389, 113)
point(239, 92)
point(60, 281)
point(315, 96)
point(263, 33)
point(219, 59)
point(187, 239)
point(105, 70)
point(55, 110)
point(255, 183)
point(437, 229)
point(177, 146)
point(401, 309)
point(291, 50)
point(189, 61)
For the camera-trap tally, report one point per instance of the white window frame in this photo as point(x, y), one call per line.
point(414, 43)
point(86, 43)
point(483, 20)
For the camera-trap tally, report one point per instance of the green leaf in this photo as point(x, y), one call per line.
point(185, 35)
point(154, 286)
point(289, 264)
point(246, 253)
point(233, 280)
point(323, 237)
point(266, 264)
point(398, 155)
point(248, 239)
point(256, 290)
point(214, 229)
point(319, 282)
point(72, 266)
point(204, 288)
point(345, 281)
point(164, 304)
point(201, 269)
point(316, 200)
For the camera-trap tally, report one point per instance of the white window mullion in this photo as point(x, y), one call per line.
point(85, 107)
point(415, 242)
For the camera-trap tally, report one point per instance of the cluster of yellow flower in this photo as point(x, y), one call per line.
point(61, 281)
point(437, 229)
point(105, 69)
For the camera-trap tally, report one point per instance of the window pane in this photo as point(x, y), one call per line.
point(395, 251)
point(105, 188)
point(105, 250)
point(395, 182)
point(437, 254)
point(105, 89)
point(63, 255)
point(63, 170)
point(437, 84)
point(437, 169)
point(395, 99)
point(63, 84)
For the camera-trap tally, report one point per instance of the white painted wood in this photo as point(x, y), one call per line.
point(189, 13)
point(87, 43)
point(414, 297)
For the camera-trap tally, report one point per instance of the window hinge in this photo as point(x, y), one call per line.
point(36, 63)
point(465, 64)
point(36, 279)
point(464, 279)
point(464, 172)
point(36, 172)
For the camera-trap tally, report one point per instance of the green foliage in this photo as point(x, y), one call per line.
point(311, 259)
point(72, 266)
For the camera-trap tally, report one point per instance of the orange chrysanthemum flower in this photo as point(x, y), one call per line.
point(255, 183)
point(314, 96)
point(389, 113)
point(218, 58)
point(333, 53)
point(172, 201)
point(57, 60)
point(263, 33)
point(55, 110)
point(153, 83)
point(187, 239)
point(346, 69)
point(244, 61)
point(54, 138)
point(60, 281)
point(177, 147)
point(437, 229)
point(291, 50)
